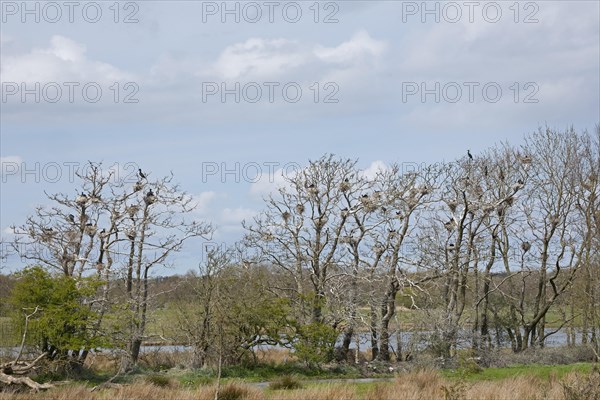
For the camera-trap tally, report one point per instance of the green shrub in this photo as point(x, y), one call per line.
point(61, 317)
point(315, 344)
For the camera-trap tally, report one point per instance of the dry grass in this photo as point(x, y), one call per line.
point(155, 360)
point(522, 387)
point(286, 382)
point(274, 356)
point(425, 384)
point(429, 384)
point(324, 392)
point(145, 391)
point(158, 360)
point(99, 362)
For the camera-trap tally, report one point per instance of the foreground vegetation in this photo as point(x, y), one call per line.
point(553, 373)
point(578, 382)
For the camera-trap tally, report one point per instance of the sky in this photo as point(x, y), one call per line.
point(230, 95)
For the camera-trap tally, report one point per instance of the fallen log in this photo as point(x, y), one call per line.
point(18, 367)
point(10, 369)
point(24, 380)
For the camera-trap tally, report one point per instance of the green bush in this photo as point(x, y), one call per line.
point(64, 317)
point(315, 344)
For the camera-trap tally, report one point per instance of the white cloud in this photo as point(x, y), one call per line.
point(64, 60)
point(203, 201)
point(65, 49)
point(271, 183)
point(265, 187)
point(236, 215)
point(275, 58)
point(479, 49)
point(372, 170)
point(259, 57)
point(359, 48)
point(173, 83)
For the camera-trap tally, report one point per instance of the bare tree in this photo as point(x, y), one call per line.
point(342, 228)
point(404, 196)
point(588, 206)
point(157, 221)
point(64, 235)
point(299, 232)
point(539, 242)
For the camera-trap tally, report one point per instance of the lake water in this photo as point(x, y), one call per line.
point(418, 338)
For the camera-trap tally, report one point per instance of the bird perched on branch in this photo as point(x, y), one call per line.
point(452, 205)
point(90, 229)
point(518, 186)
point(345, 185)
point(138, 186)
point(81, 199)
point(150, 197)
point(526, 159)
point(450, 225)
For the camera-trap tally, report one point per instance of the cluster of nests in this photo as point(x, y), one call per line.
point(525, 246)
point(369, 202)
point(83, 200)
point(500, 206)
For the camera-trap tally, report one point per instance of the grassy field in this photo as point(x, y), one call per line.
point(544, 372)
point(8, 335)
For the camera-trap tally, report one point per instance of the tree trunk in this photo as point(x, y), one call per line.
point(347, 340)
point(131, 357)
point(17, 367)
point(384, 348)
point(374, 337)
